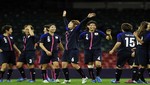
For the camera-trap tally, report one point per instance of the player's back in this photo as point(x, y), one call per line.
point(127, 40)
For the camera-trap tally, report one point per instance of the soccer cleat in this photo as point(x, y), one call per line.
point(21, 79)
point(98, 79)
point(84, 80)
point(31, 81)
point(1, 80)
point(114, 81)
point(131, 81)
point(93, 81)
point(45, 81)
point(66, 81)
point(8, 80)
point(49, 79)
point(57, 81)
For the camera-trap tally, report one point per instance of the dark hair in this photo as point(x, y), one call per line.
point(46, 26)
point(127, 27)
point(143, 26)
point(91, 21)
point(6, 27)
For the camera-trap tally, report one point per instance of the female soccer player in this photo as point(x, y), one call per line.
point(49, 44)
point(7, 48)
point(92, 48)
point(71, 48)
point(125, 43)
point(28, 53)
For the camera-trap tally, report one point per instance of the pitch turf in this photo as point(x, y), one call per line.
point(73, 82)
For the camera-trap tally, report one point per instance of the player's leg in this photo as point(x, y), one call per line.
point(121, 60)
point(88, 60)
point(4, 65)
point(12, 62)
point(74, 59)
point(44, 65)
point(30, 57)
point(2, 71)
point(65, 62)
point(57, 70)
point(97, 58)
point(19, 65)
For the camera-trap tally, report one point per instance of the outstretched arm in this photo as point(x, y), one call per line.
point(65, 19)
point(90, 15)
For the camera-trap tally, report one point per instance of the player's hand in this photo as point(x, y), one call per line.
point(133, 54)
point(48, 53)
point(64, 13)
point(1, 50)
point(19, 52)
point(90, 15)
point(108, 31)
point(135, 34)
point(111, 52)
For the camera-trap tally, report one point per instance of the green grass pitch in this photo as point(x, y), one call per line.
point(73, 82)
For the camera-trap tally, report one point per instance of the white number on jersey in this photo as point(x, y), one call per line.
point(130, 42)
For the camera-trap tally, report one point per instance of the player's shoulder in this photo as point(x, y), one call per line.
point(44, 35)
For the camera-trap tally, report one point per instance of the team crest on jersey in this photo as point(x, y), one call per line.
point(86, 37)
point(28, 36)
point(96, 33)
point(11, 37)
point(99, 58)
point(56, 37)
point(48, 39)
point(5, 40)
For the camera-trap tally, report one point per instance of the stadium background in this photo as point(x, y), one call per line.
point(109, 14)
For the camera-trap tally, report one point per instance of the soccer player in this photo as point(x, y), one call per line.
point(92, 48)
point(7, 48)
point(147, 40)
point(125, 43)
point(45, 31)
point(142, 49)
point(139, 60)
point(28, 53)
point(71, 48)
point(49, 44)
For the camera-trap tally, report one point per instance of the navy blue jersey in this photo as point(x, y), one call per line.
point(72, 36)
point(92, 40)
point(6, 43)
point(29, 42)
point(128, 41)
point(146, 39)
point(50, 42)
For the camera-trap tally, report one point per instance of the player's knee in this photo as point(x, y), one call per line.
point(4, 67)
point(44, 67)
point(90, 66)
point(76, 66)
point(64, 64)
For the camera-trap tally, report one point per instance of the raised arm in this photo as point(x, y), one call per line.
point(65, 19)
point(90, 15)
point(108, 34)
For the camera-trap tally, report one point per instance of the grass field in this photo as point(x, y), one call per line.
point(73, 82)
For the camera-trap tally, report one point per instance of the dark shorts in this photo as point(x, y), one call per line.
point(8, 57)
point(27, 57)
point(92, 56)
point(148, 62)
point(123, 57)
point(70, 56)
point(45, 59)
point(141, 56)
